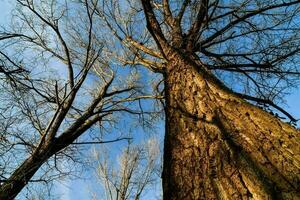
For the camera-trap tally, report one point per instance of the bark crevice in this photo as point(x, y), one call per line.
point(218, 146)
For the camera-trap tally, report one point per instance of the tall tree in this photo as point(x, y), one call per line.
point(225, 65)
point(49, 105)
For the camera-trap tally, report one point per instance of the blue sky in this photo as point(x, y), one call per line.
point(81, 189)
point(78, 189)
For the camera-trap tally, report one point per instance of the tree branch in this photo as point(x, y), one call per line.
point(266, 101)
point(154, 28)
point(102, 142)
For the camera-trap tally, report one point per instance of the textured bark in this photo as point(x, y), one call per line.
point(218, 146)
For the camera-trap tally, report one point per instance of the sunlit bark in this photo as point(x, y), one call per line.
point(218, 146)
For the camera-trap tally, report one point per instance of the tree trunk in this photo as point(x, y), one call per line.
point(19, 179)
point(218, 146)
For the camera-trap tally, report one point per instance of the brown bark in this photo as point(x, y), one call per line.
point(218, 146)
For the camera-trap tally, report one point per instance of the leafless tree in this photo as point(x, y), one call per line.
point(66, 88)
point(136, 172)
point(226, 66)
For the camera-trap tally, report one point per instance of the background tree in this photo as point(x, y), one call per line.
point(225, 65)
point(136, 173)
point(68, 87)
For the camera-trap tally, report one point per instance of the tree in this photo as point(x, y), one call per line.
point(135, 173)
point(46, 109)
point(225, 63)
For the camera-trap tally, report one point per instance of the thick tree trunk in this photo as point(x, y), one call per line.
point(218, 146)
